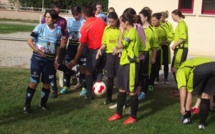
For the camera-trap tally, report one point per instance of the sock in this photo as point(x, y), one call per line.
point(187, 115)
point(134, 106)
point(120, 102)
point(82, 80)
point(99, 75)
point(145, 83)
point(110, 88)
point(166, 71)
point(54, 84)
point(44, 97)
point(29, 95)
point(204, 110)
point(61, 55)
point(89, 83)
point(66, 80)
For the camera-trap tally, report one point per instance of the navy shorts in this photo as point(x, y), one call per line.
point(44, 68)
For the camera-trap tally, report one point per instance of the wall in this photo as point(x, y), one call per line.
point(201, 27)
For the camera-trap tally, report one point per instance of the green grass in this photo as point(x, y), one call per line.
point(19, 20)
point(70, 114)
point(12, 28)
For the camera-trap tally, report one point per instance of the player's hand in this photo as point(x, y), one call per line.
point(71, 64)
point(42, 54)
point(173, 47)
point(182, 110)
point(99, 53)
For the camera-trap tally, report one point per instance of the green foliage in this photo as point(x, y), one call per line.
point(12, 28)
point(66, 4)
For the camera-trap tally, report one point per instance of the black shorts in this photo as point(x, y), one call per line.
point(112, 64)
point(93, 64)
point(180, 55)
point(204, 79)
point(71, 52)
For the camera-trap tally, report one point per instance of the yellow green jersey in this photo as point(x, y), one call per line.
point(168, 26)
point(181, 32)
point(185, 74)
point(130, 42)
point(110, 38)
point(151, 39)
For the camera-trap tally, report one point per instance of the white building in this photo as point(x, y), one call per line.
point(199, 15)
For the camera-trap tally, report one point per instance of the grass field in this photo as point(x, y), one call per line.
point(70, 114)
point(11, 28)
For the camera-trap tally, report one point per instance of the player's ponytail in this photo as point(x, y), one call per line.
point(177, 12)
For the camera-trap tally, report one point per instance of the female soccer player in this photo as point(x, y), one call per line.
point(163, 39)
point(45, 41)
point(128, 69)
point(166, 48)
point(180, 46)
point(150, 49)
point(196, 77)
point(110, 41)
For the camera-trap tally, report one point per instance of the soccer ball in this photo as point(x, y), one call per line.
point(99, 88)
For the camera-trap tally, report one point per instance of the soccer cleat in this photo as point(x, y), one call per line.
point(150, 88)
point(64, 90)
point(107, 101)
point(185, 120)
point(201, 126)
point(194, 111)
point(114, 117)
point(166, 82)
point(44, 108)
point(83, 92)
point(156, 82)
point(141, 96)
point(54, 94)
point(113, 106)
point(26, 110)
point(130, 120)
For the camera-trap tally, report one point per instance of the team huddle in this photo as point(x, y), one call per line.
point(131, 48)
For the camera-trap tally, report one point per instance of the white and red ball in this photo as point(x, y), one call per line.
point(99, 88)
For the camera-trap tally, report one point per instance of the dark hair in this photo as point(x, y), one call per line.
point(157, 15)
point(148, 10)
point(88, 11)
point(55, 4)
point(111, 8)
point(177, 12)
point(76, 10)
point(128, 17)
point(147, 14)
point(113, 15)
point(95, 4)
point(138, 19)
point(52, 13)
point(130, 10)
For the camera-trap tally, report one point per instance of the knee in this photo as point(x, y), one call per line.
point(33, 85)
point(46, 86)
point(205, 96)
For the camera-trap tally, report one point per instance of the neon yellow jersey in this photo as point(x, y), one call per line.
point(161, 34)
point(151, 39)
point(170, 31)
point(110, 38)
point(131, 42)
point(181, 32)
point(185, 74)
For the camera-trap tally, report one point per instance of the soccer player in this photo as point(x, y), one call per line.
point(99, 11)
point(180, 46)
point(150, 50)
point(91, 34)
point(74, 25)
point(61, 23)
point(110, 41)
point(128, 70)
point(196, 76)
point(166, 48)
point(111, 9)
point(45, 42)
point(163, 39)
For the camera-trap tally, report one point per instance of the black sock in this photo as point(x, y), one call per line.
point(134, 106)
point(66, 80)
point(82, 80)
point(44, 97)
point(145, 83)
point(61, 55)
point(29, 95)
point(120, 102)
point(109, 88)
point(54, 84)
point(166, 71)
point(89, 83)
point(204, 110)
point(187, 115)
